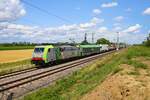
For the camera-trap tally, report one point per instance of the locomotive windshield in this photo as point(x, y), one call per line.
point(39, 50)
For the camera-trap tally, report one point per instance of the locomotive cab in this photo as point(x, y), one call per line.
point(37, 56)
point(45, 54)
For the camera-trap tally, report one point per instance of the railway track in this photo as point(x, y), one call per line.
point(8, 82)
point(17, 72)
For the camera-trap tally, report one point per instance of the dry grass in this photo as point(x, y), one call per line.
point(14, 55)
point(128, 84)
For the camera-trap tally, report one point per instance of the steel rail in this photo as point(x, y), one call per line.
point(18, 72)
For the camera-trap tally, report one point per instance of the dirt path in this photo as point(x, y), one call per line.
point(127, 84)
point(14, 55)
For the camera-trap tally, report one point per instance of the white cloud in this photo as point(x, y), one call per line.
point(109, 5)
point(11, 10)
point(86, 25)
point(147, 11)
point(133, 29)
point(77, 8)
point(116, 24)
point(15, 32)
point(117, 28)
point(93, 22)
point(102, 30)
point(97, 11)
point(128, 10)
point(22, 12)
point(97, 20)
point(132, 38)
point(119, 18)
point(129, 35)
point(11, 32)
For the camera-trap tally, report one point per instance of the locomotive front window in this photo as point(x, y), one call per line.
point(39, 50)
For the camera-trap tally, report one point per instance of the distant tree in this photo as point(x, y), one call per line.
point(102, 41)
point(147, 42)
point(84, 42)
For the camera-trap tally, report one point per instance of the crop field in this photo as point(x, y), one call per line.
point(14, 60)
point(7, 56)
point(15, 47)
point(82, 82)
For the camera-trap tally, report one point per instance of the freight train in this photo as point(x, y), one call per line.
point(43, 55)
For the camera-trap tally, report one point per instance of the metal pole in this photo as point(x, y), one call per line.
point(117, 41)
point(93, 38)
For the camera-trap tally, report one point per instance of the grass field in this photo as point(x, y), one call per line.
point(15, 47)
point(73, 87)
point(15, 66)
point(15, 55)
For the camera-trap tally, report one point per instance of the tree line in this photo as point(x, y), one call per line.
point(147, 41)
point(99, 41)
point(18, 44)
point(84, 42)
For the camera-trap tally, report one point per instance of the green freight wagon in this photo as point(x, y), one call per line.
point(86, 50)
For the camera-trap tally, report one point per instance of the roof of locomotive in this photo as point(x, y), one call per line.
point(51, 46)
point(44, 46)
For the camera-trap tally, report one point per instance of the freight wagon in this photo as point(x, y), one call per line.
point(86, 50)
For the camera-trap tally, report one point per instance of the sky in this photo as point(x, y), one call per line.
point(68, 20)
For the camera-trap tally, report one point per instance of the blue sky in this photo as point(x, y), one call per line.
point(79, 11)
point(21, 22)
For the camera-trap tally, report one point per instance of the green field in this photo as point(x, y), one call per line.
point(73, 87)
point(15, 47)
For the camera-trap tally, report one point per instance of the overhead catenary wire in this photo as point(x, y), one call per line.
point(47, 12)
